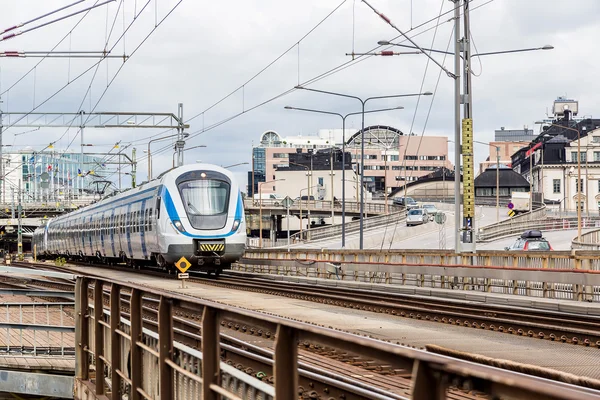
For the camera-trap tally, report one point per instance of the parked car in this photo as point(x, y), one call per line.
point(417, 216)
point(431, 210)
point(530, 241)
point(407, 202)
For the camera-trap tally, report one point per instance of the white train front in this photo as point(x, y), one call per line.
point(194, 211)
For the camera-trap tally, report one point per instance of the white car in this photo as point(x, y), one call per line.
point(431, 210)
point(417, 216)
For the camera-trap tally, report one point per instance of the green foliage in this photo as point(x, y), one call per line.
point(60, 261)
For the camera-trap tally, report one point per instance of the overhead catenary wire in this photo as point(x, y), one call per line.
point(319, 77)
point(323, 75)
point(15, 34)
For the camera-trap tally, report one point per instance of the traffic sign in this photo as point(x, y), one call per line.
point(511, 213)
point(511, 206)
point(183, 276)
point(287, 202)
point(183, 265)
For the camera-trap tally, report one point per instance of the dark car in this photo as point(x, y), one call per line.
point(530, 241)
point(407, 202)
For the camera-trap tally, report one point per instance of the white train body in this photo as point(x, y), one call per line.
point(194, 211)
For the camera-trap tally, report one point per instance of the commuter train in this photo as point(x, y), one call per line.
point(194, 211)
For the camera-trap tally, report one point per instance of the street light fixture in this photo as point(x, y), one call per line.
point(578, 185)
point(343, 117)
point(388, 43)
point(235, 165)
point(363, 102)
point(260, 208)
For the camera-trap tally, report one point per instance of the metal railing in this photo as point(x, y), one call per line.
point(511, 226)
point(588, 241)
point(351, 227)
point(547, 224)
point(322, 205)
point(122, 357)
point(520, 281)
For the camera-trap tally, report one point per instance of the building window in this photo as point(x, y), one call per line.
point(394, 157)
point(555, 185)
point(582, 156)
point(580, 185)
point(596, 139)
point(599, 184)
point(597, 154)
point(396, 167)
point(411, 158)
point(320, 181)
point(280, 155)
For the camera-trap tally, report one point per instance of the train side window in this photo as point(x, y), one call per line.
point(146, 220)
point(150, 222)
point(138, 220)
point(158, 200)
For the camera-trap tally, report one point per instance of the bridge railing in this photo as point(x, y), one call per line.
point(512, 225)
point(117, 353)
point(588, 241)
point(557, 274)
point(321, 205)
point(351, 227)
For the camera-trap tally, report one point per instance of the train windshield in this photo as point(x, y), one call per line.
point(206, 202)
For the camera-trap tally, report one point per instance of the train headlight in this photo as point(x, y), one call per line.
point(179, 226)
point(236, 225)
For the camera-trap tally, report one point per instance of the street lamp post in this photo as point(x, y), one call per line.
point(343, 117)
point(363, 102)
point(260, 209)
point(578, 185)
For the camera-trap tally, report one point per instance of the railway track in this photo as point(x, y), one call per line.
point(549, 325)
point(475, 315)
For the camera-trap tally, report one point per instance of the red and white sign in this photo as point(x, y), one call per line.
point(533, 149)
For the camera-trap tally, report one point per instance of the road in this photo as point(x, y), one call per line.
point(399, 236)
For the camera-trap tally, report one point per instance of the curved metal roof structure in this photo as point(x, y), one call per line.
point(377, 136)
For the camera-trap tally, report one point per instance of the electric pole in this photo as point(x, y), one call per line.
point(20, 227)
point(463, 132)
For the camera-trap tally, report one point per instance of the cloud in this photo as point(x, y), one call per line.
point(203, 52)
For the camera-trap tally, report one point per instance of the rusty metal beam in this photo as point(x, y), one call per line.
point(210, 353)
point(99, 336)
point(165, 347)
point(81, 329)
point(115, 340)
point(136, 363)
point(286, 363)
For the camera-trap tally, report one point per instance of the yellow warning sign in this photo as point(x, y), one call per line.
point(511, 213)
point(183, 265)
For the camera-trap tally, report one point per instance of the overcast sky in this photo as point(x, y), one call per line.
point(205, 50)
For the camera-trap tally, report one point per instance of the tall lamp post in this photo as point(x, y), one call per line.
point(578, 185)
point(343, 117)
point(260, 208)
point(362, 142)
